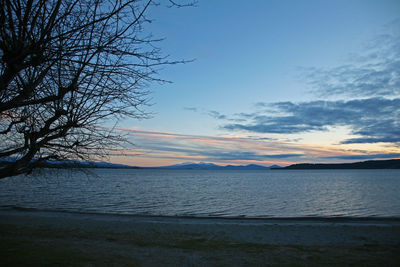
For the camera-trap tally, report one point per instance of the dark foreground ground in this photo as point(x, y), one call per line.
point(67, 239)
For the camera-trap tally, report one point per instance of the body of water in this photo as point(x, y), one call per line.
point(225, 193)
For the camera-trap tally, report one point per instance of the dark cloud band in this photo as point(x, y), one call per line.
point(373, 119)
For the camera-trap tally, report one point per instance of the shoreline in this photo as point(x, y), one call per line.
point(276, 231)
point(87, 239)
point(311, 218)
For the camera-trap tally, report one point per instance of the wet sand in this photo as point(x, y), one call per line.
point(61, 238)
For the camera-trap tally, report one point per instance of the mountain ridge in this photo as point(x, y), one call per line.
point(369, 164)
point(212, 166)
point(68, 164)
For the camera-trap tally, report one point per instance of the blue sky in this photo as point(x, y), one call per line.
point(273, 82)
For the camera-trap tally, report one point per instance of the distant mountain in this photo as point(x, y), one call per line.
point(211, 166)
point(183, 166)
point(370, 164)
point(275, 167)
point(246, 167)
point(192, 166)
point(83, 164)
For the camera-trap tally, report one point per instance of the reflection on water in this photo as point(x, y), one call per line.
point(211, 193)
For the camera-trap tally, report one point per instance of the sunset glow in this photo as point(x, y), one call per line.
point(288, 82)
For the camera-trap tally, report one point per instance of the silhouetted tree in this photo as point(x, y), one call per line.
point(66, 66)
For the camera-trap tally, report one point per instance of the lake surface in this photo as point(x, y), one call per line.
point(225, 193)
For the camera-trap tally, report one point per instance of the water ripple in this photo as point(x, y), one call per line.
point(212, 193)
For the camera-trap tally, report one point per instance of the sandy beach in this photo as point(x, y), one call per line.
point(70, 239)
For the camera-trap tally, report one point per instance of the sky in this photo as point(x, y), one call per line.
point(272, 82)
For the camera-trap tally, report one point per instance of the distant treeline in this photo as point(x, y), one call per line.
point(370, 164)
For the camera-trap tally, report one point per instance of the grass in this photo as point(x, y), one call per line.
point(30, 253)
point(22, 246)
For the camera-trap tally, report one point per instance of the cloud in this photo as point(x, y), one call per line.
point(373, 119)
point(362, 96)
point(244, 149)
point(376, 72)
point(370, 83)
point(214, 114)
point(210, 148)
point(244, 155)
point(217, 115)
point(367, 156)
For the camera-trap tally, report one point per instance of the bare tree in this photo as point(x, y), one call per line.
point(66, 67)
